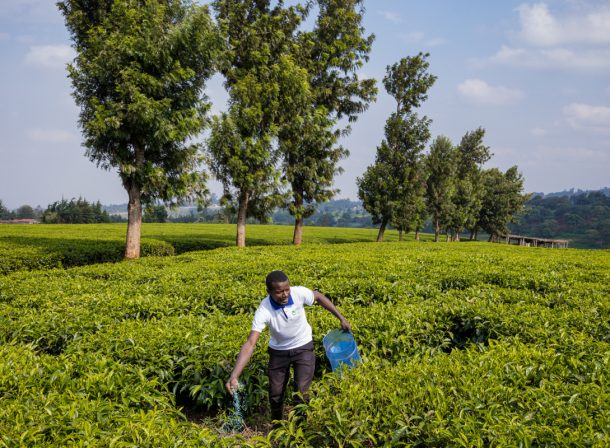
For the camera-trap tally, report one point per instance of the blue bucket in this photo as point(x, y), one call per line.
point(340, 349)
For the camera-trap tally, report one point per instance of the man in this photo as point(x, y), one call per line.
point(291, 340)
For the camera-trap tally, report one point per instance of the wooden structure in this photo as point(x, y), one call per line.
point(531, 241)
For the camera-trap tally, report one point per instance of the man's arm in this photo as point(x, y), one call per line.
point(242, 360)
point(327, 304)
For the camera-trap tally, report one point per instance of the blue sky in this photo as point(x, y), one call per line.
point(535, 75)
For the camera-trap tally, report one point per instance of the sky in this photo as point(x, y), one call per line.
point(534, 75)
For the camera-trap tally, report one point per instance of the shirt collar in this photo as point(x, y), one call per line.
point(277, 306)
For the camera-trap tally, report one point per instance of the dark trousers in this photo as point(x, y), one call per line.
point(303, 362)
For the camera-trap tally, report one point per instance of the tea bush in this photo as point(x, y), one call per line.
point(463, 345)
point(35, 247)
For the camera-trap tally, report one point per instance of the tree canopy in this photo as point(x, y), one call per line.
point(399, 157)
point(138, 79)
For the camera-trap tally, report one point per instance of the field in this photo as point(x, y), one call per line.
point(463, 344)
point(47, 246)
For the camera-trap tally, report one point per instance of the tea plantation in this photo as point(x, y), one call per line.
point(463, 344)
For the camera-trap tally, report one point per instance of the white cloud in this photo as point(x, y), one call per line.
point(540, 28)
point(574, 42)
point(436, 42)
point(390, 16)
point(554, 58)
point(539, 132)
point(419, 38)
point(413, 36)
point(50, 135)
point(566, 156)
point(478, 91)
point(587, 117)
point(49, 56)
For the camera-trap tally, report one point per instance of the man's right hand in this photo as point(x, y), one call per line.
point(232, 385)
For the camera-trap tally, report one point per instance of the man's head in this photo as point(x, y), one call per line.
point(278, 286)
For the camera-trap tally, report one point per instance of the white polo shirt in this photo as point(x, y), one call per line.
point(288, 325)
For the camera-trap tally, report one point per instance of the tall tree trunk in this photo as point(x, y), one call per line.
point(437, 229)
point(456, 235)
point(240, 239)
point(384, 223)
point(134, 208)
point(400, 233)
point(448, 236)
point(297, 238)
point(416, 234)
point(134, 222)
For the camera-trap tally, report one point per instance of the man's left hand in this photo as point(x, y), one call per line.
point(345, 326)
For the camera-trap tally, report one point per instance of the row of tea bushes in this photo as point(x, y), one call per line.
point(64, 245)
point(27, 254)
point(506, 394)
point(87, 400)
point(430, 320)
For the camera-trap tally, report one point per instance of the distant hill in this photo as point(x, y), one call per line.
point(578, 216)
point(573, 192)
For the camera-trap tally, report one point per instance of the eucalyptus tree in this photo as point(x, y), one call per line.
point(440, 186)
point(266, 88)
point(401, 152)
point(138, 77)
point(332, 53)
point(502, 201)
point(467, 200)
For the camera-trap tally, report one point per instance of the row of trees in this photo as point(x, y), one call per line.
point(139, 77)
point(404, 186)
point(74, 211)
point(23, 212)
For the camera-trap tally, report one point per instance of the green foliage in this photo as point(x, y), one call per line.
point(583, 218)
point(467, 201)
point(503, 200)
point(266, 88)
point(331, 53)
point(155, 213)
point(47, 247)
point(440, 187)
point(138, 79)
point(469, 345)
point(75, 211)
point(4, 212)
point(392, 190)
point(336, 49)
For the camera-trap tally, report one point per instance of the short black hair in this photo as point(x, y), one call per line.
point(275, 277)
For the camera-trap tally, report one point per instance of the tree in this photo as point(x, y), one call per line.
point(25, 212)
point(440, 187)
point(138, 78)
point(156, 213)
point(375, 189)
point(310, 158)
point(502, 200)
point(5, 213)
point(471, 155)
point(400, 196)
point(75, 211)
point(266, 86)
point(332, 53)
